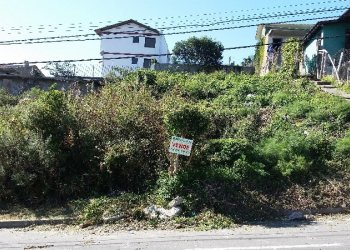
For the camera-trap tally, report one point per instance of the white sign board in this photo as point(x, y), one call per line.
point(180, 146)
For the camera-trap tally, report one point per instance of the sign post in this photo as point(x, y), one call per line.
point(179, 146)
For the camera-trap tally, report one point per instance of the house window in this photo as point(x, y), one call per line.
point(347, 39)
point(147, 63)
point(134, 60)
point(276, 43)
point(136, 39)
point(150, 42)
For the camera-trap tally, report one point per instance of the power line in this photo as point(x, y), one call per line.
point(129, 56)
point(278, 14)
point(79, 25)
point(51, 39)
point(191, 25)
point(176, 33)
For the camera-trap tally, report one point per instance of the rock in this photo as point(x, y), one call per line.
point(173, 212)
point(154, 211)
point(296, 216)
point(176, 202)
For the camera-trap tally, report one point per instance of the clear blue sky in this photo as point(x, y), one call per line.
point(21, 19)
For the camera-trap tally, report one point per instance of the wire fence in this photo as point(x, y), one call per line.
point(82, 70)
point(336, 65)
point(61, 70)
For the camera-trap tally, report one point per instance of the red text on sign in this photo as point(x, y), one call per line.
point(181, 146)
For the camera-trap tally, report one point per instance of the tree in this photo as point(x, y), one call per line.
point(248, 61)
point(202, 51)
point(65, 69)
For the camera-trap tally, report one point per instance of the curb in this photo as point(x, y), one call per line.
point(27, 223)
point(322, 211)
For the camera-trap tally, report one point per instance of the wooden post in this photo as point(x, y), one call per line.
point(174, 164)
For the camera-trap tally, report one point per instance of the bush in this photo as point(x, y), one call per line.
point(251, 134)
point(126, 127)
point(186, 120)
point(24, 167)
point(7, 99)
point(295, 154)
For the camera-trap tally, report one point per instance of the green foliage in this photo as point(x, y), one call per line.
point(251, 133)
point(343, 146)
point(51, 117)
point(201, 51)
point(342, 151)
point(7, 99)
point(248, 61)
point(184, 119)
point(92, 212)
point(65, 69)
point(125, 205)
point(259, 55)
point(291, 57)
point(24, 161)
point(126, 127)
point(329, 79)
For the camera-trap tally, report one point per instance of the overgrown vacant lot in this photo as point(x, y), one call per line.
point(261, 144)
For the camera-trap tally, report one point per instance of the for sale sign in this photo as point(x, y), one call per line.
point(180, 146)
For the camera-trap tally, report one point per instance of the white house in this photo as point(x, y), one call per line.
point(132, 45)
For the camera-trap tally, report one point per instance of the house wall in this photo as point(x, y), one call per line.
point(336, 32)
point(269, 39)
point(121, 45)
point(333, 44)
point(310, 53)
point(311, 49)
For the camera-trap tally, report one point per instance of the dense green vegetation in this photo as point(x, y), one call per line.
point(202, 51)
point(255, 138)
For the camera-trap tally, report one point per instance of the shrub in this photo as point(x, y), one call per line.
point(24, 166)
point(184, 119)
point(7, 99)
point(126, 127)
point(251, 134)
point(342, 151)
point(295, 154)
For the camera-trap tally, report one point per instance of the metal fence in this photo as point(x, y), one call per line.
point(337, 65)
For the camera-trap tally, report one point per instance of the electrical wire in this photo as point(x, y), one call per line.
point(129, 56)
point(79, 25)
point(173, 33)
point(249, 18)
point(136, 32)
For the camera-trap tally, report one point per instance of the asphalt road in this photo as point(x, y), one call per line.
point(326, 234)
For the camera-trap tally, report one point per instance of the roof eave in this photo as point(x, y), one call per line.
point(101, 30)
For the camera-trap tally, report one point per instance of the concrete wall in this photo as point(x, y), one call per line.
point(123, 44)
point(196, 68)
point(16, 85)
